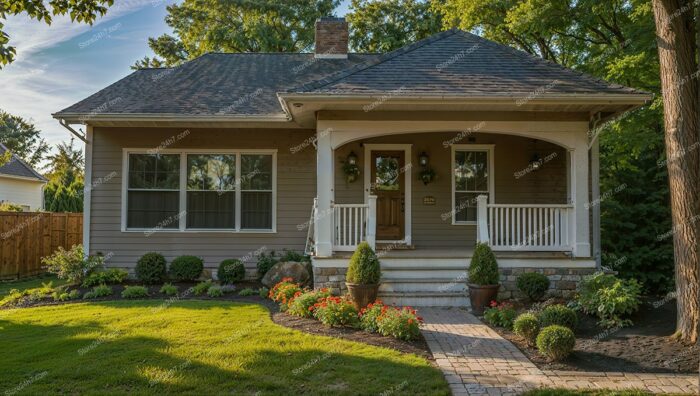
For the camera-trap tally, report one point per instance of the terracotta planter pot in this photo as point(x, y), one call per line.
point(362, 295)
point(481, 295)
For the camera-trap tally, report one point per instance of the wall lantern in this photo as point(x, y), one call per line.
point(352, 158)
point(423, 159)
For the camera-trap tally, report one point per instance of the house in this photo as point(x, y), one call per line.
point(20, 184)
point(422, 152)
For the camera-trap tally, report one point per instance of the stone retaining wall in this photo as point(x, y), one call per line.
point(333, 278)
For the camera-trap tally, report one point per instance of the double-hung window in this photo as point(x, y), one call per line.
point(472, 176)
point(200, 191)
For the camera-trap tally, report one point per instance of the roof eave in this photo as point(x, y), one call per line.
point(24, 178)
point(82, 118)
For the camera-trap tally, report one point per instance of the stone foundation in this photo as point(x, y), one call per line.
point(562, 281)
point(332, 278)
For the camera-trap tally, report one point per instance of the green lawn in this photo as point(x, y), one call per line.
point(191, 347)
point(31, 283)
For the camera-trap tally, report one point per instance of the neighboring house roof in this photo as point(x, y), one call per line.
point(458, 63)
point(213, 84)
point(451, 63)
point(16, 167)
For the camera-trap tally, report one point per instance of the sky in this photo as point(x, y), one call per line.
point(61, 64)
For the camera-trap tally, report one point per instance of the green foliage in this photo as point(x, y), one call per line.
point(150, 268)
point(66, 296)
point(368, 316)
point(609, 298)
point(265, 262)
point(15, 296)
point(483, 269)
point(556, 342)
point(386, 25)
point(169, 289)
point(72, 264)
point(20, 136)
point(264, 292)
point(202, 26)
point(336, 312)
point(527, 326)
point(558, 315)
point(65, 189)
point(364, 266)
point(283, 292)
point(215, 291)
point(291, 255)
point(230, 271)
point(108, 277)
point(10, 207)
point(402, 323)
point(533, 284)
point(501, 315)
point(135, 292)
point(247, 292)
point(186, 268)
point(202, 287)
point(301, 304)
point(98, 291)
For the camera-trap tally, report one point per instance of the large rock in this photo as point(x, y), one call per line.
point(289, 269)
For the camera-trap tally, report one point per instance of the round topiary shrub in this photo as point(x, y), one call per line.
point(483, 269)
point(556, 342)
point(533, 284)
point(186, 268)
point(558, 315)
point(527, 326)
point(364, 266)
point(230, 271)
point(150, 268)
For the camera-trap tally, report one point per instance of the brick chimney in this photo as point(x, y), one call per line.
point(331, 38)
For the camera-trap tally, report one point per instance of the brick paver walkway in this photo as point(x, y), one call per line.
point(477, 361)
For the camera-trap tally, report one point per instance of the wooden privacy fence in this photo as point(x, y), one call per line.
point(27, 237)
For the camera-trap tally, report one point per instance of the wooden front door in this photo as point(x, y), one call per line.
point(387, 183)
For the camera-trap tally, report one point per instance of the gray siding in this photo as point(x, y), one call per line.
point(296, 186)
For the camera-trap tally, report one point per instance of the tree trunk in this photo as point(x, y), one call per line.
point(675, 35)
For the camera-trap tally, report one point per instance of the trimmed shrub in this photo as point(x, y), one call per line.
point(169, 289)
point(527, 326)
point(336, 312)
point(230, 271)
point(300, 305)
point(215, 291)
point(483, 269)
point(201, 287)
point(134, 292)
point(186, 268)
point(227, 289)
point(501, 315)
point(65, 296)
point(108, 277)
point(283, 292)
point(556, 342)
point(558, 315)
point(402, 323)
point(150, 269)
point(364, 266)
point(72, 264)
point(264, 292)
point(609, 298)
point(368, 316)
point(533, 284)
point(247, 292)
point(98, 291)
point(265, 262)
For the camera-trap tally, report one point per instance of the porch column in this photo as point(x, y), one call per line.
point(578, 195)
point(372, 221)
point(482, 230)
point(325, 194)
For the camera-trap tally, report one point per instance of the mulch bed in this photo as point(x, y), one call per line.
point(647, 346)
point(418, 347)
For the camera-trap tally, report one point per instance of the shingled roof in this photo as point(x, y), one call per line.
point(18, 168)
point(451, 63)
point(459, 63)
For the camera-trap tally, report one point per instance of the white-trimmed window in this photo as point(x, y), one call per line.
point(198, 190)
point(472, 175)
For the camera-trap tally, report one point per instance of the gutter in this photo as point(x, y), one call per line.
point(82, 118)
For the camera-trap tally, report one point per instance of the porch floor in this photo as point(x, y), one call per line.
point(453, 253)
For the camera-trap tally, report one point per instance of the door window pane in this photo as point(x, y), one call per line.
point(387, 174)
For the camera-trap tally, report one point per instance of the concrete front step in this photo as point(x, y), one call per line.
point(446, 273)
point(422, 284)
point(425, 299)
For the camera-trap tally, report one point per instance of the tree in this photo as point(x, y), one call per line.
point(678, 51)
point(84, 11)
point(64, 191)
point(386, 25)
point(22, 138)
point(203, 26)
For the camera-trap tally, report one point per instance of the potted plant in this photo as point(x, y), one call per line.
point(483, 278)
point(362, 279)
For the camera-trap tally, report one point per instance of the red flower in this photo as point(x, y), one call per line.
point(493, 303)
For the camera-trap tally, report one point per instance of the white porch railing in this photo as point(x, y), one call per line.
point(354, 223)
point(525, 227)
